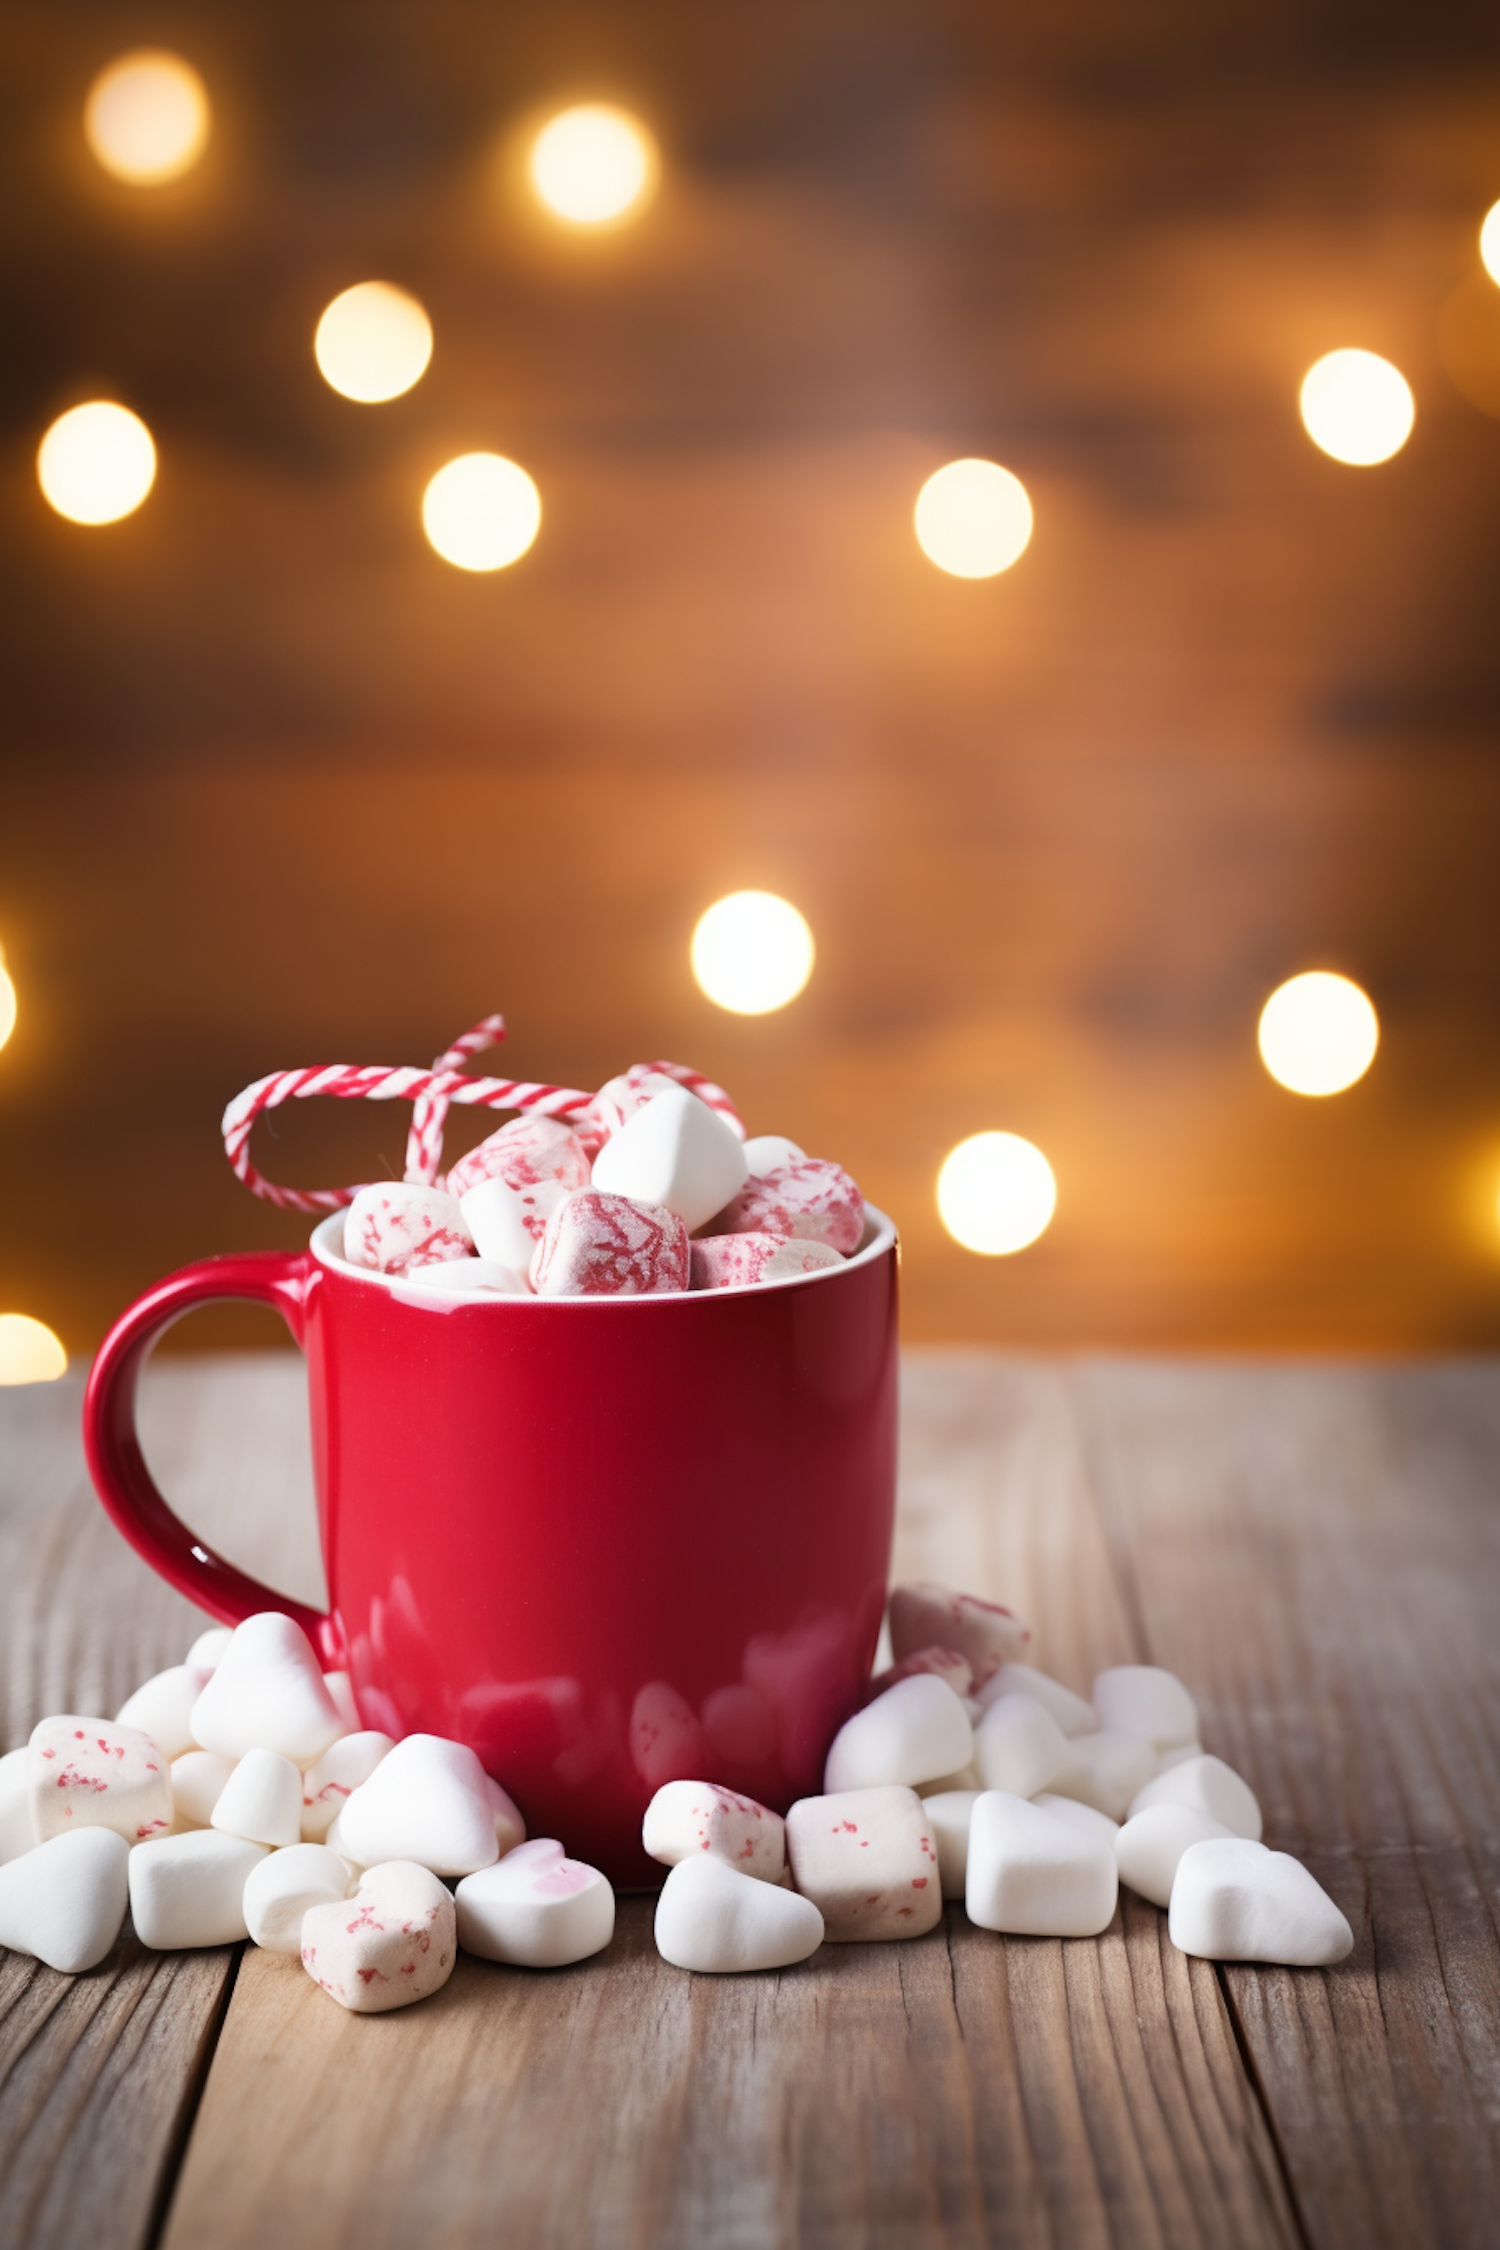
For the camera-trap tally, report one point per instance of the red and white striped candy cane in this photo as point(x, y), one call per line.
point(695, 1082)
point(424, 1143)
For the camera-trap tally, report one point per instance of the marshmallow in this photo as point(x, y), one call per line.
point(1208, 1785)
point(510, 1828)
point(1019, 1747)
point(16, 1832)
point(326, 1786)
point(393, 1942)
point(397, 1225)
point(666, 1741)
point(1149, 1846)
point(160, 1708)
point(1106, 1771)
point(744, 1261)
point(967, 1777)
point(261, 1800)
point(688, 1817)
point(339, 1684)
point(280, 1888)
point(607, 1246)
point(914, 1732)
point(948, 1815)
point(189, 1890)
point(1033, 1875)
point(867, 1860)
point(771, 1152)
point(1085, 1818)
point(91, 1773)
point(927, 1615)
point(208, 1649)
point(677, 1152)
point(1232, 1900)
point(535, 1908)
point(507, 1223)
point(64, 1901)
point(198, 1779)
point(618, 1099)
point(1072, 1712)
point(427, 1801)
point(1178, 1755)
point(267, 1694)
point(809, 1198)
point(1143, 1699)
point(713, 1920)
point(529, 1153)
point(470, 1277)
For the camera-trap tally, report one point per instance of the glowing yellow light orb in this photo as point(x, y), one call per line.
point(1318, 1033)
point(146, 117)
point(752, 952)
point(29, 1352)
point(7, 1002)
point(481, 511)
point(996, 1193)
point(97, 463)
point(1489, 242)
point(373, 342)
point(973, 519)
point(594, 165)
point(1357, 407)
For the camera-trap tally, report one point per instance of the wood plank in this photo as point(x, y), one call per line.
point(963, 2090)
point(99, 2073)
point(1318, 1552)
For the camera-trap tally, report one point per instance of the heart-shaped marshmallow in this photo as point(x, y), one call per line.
point(427, 1802)
point(914, 1732)
point(93, 1773)
point(267, 1694)
point(676, 1152)
point(535, 1908)
point(392, 1943)
point(1210, 1786)
point(1232, 1900)
point(261, 1800)
point(1019, 1747)
point(716, 1921)
point(64, 1901)
point(1034, 1875)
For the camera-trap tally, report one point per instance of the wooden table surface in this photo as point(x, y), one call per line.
point(1315, 1548)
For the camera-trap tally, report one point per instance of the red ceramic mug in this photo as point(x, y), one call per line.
point(608, 1542)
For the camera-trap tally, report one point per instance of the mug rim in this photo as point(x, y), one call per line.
point(879, 1237)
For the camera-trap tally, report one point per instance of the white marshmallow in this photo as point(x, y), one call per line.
point(394, 1226)
point(190, 1890)
point(16, 1832)
point(281, 1888)
point(1149, 1846)
point(676, 1152)
point(393, 1942)
point(161, 1707)
point(1106, 1771)
point(327, 1786)
point(92, 1773)
point(267, 1693)
point(510, 1828)
point(198, 1779)
point(1209, 1786)
point(261, 1800)
point(64, 1901)
point(713, 1920)
point(341, 1688)
point(427, 1801)
point(1178, 1755)
point(1034, 1875)
point(867, 1860)
point(1073, 1713)
point(1086, 1818)
point(483, 1276)
point(688, 1817)
point(208, 1649)
point(927, 1615)
point(1144, 1699)
point(508, 1222)
point(915, 1731)
point(948, 1815)
point(535, 1908)
point(1233, 1900)
point(1019, 1747)
point(769, 1152)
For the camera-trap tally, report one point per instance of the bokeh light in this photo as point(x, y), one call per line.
point(373, 342)
point(481, 511)
point(7, 1001)
point(1489, 242)
point(973, 519)
point(594, 165)
point(752, 952)
point(996, 1193)
point(29, 1352)
point(1318, 1033)
point(146, 117)
point(97, 462)
point(1357, 407)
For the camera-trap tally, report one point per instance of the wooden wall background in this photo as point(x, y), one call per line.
point(280, 787)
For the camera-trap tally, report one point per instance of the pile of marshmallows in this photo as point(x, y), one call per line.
point(649, 1190)
point(237, 1795)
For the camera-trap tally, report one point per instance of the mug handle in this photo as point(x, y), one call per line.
point(111, 1441)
